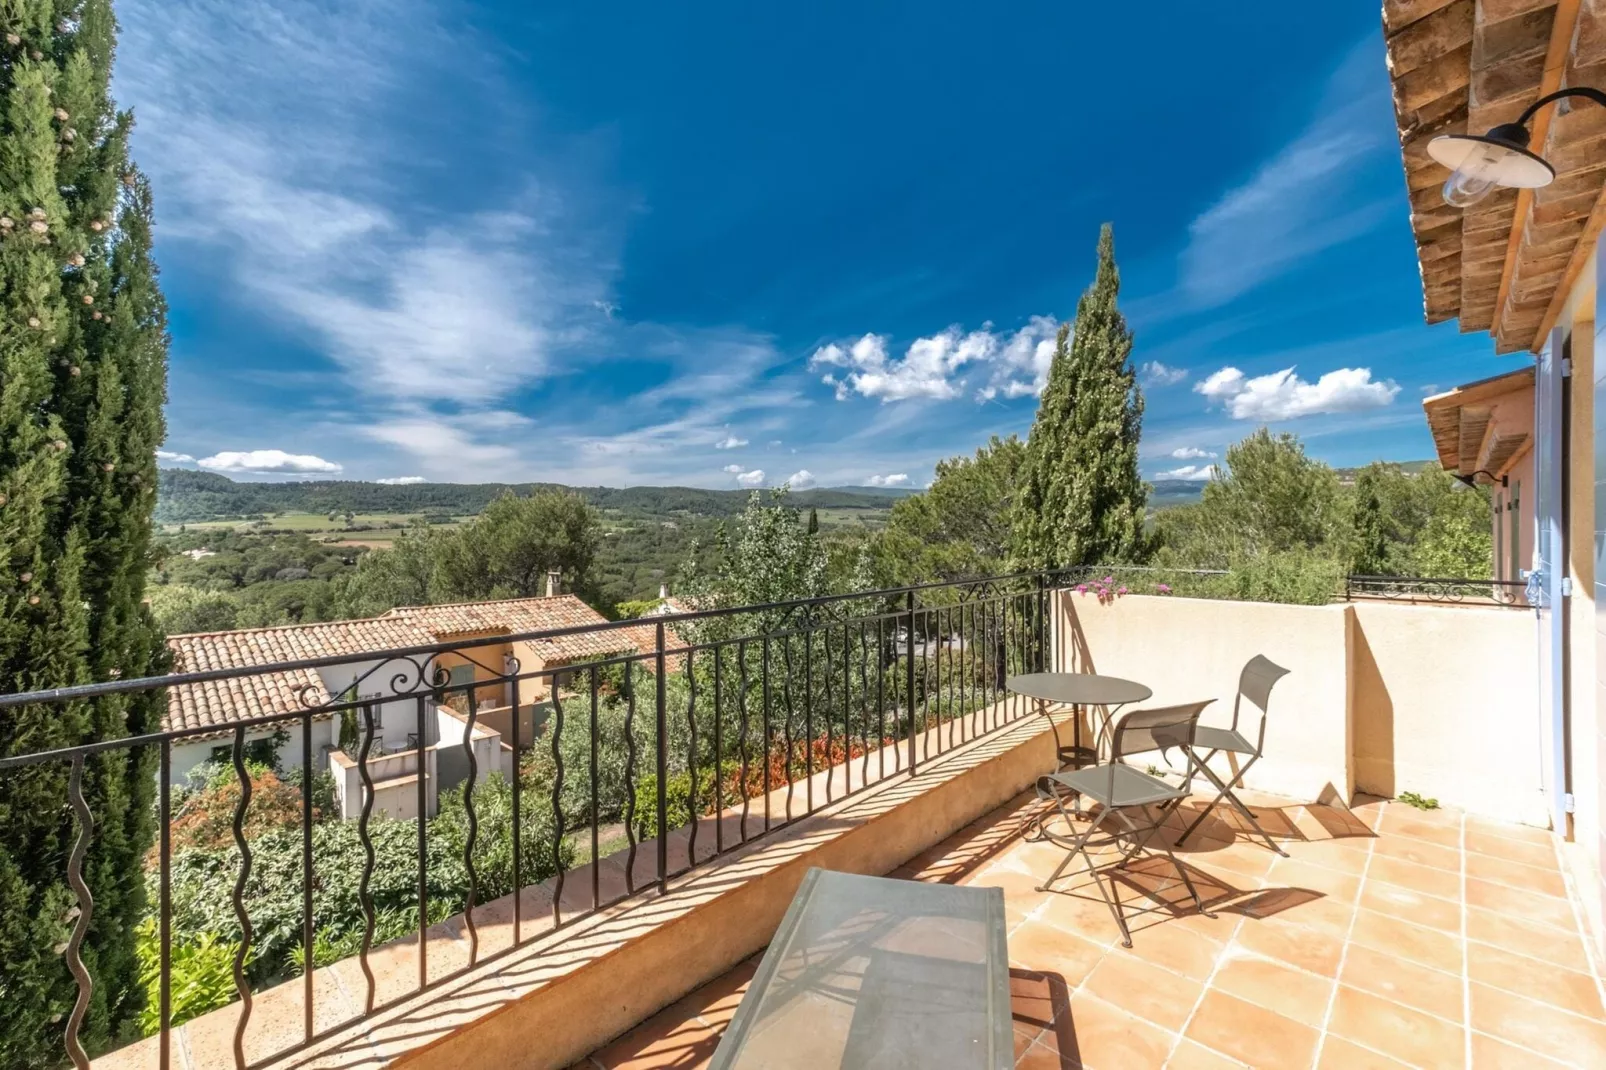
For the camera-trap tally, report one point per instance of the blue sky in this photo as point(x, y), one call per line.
point(724, 244)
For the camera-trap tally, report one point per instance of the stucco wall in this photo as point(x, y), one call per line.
point(1445, 705)
point(1380, 698)
point(1187, 649)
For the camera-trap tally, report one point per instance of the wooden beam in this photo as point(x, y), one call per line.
point(1575, 268)
point(1562, 29)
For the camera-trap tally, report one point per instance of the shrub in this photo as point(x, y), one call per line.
point(201, 976)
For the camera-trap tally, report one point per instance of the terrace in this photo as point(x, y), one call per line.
point(759, 741)
point(1388, 937)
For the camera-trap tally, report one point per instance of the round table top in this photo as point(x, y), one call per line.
point(1078, 688)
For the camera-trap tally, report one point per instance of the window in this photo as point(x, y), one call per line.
point(376, 706)
point(1499, 536)
point(1514, 530)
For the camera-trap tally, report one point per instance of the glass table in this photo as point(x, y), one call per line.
point(871, 972)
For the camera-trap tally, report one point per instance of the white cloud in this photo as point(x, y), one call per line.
point(268, 462)
point(250, 118)
point(755, 478)
point(730, 442)
point(897, 479)
point(1312, 195)
point(1190, 453)
point(1017, 364)
point(401, 481)
point(168, 455)
point(772, 443)
point(1154, 373)
point(802, 479)
point(1283, 395)
point(1195, 472)
point(733, 469)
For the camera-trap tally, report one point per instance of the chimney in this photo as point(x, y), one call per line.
point(663, 592)
point(554, 580)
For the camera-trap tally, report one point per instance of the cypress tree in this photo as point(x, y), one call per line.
point(1081, 499)
point(1371, 536)
point(82, 380)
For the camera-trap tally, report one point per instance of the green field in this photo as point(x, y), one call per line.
point(366, 527)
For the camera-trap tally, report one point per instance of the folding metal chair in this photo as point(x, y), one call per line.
point(1255, 684)
point(1132, 805)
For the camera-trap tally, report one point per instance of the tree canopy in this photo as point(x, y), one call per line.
point(1082, 500)
point(83, 358)
point(960, 526)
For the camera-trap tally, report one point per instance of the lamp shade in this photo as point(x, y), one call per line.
point(1479, 164)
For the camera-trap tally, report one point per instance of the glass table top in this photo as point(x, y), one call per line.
point(873, 972)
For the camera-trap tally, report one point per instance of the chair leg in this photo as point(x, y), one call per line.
point(1226, 792)
point(1078, 845)
point(1183, 873)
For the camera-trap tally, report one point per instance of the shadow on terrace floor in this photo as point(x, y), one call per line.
point(1388, 937)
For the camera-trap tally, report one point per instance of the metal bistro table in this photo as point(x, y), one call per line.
point(1076, 689)
point(867, 972)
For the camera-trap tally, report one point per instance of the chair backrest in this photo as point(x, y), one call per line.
point(1255, 684)
point(1155, 730)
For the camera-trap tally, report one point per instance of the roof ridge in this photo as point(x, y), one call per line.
point(483, 602)
point(384, 618)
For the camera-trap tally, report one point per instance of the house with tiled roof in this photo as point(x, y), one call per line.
point(509, 680)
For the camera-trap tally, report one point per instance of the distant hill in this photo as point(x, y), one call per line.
point(1169, 492)
point(187, 496)
point(1347, 475)
point(876, 492)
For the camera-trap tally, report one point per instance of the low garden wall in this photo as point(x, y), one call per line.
point(1380, 698)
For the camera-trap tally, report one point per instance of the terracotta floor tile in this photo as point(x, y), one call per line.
point(1295, 906)
point(1329, 854)
point(1541, 879)
point(1079, 909)
point(1530, 906)
point(1509, 830)
point(1036, 999)
point(1108, 1038)
point(1429, 880)
point(661, 1042)
point(1178, 949)
point(1035, 945)
point(1291, 873)
point(1043, 1057)
point(1191, 1056)
point(1531, 854)
point(1414, 985)
point(1539, 1026)
point(1242, 860)
point(1543, 981)
point(1395, 1030)
point(1560, 946)
point(1153, 994)
point(1275, 986)
point(1491, 1054)
point(1415, 825)
point(1423, 853)
point(1341, 1054)
point(1426, 910)
point(1251, 1034)
point(1025, 1037)
point(1310, 949)
point(1392, 936)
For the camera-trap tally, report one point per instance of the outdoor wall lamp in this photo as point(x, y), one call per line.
point(1499, 158)
point(1472, 479)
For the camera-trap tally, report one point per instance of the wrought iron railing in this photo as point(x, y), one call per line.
point(725, 726)
point(1434, 589)
point(729, 725)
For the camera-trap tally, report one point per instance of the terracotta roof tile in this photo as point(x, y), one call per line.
point(221, 703)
